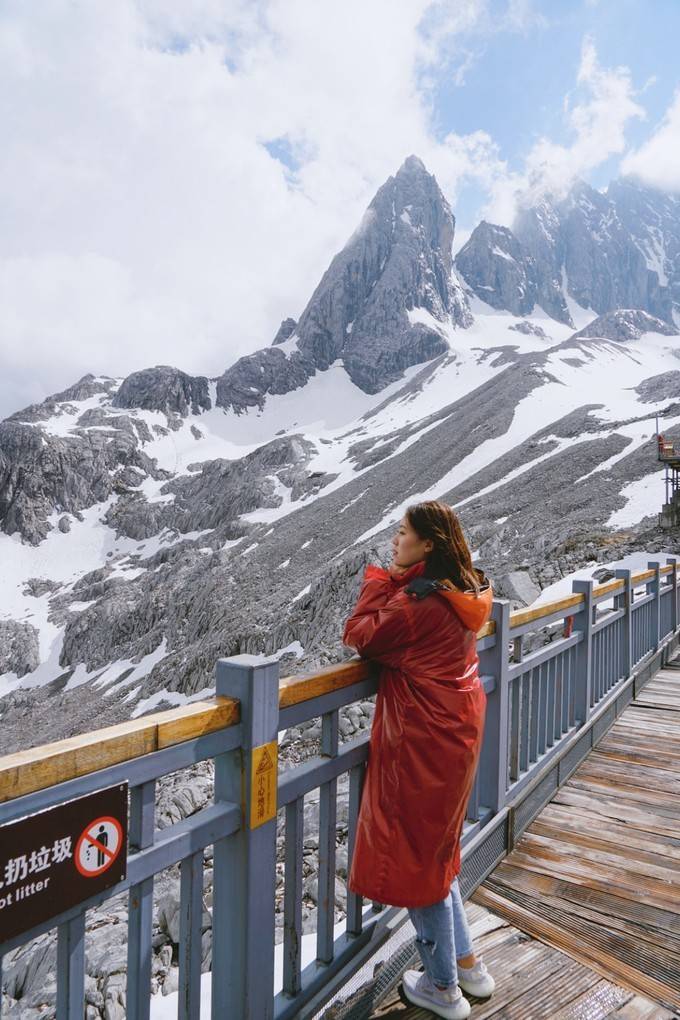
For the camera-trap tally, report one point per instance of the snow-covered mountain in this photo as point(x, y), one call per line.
point(152, 524)
point(620, 249)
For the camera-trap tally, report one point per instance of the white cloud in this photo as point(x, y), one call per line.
point(147, 221)
point(597, 121)
point(656, 162)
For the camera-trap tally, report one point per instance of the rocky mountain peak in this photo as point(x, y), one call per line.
point(625, 324)
point(164, 388)
point(397, 262)
point(606, 250)
point(88, 386)
point(285, 331)
point(386, 302)
point(498, 269)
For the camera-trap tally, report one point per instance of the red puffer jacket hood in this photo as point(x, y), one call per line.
point(473, 609)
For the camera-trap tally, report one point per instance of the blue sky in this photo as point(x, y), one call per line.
point(177, 176)
point(517, 81)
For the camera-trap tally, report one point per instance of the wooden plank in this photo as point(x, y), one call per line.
point(26, 771)
point(651, 877)
point(572, 836)
point(586, 946)
point(522, 616)
point(39, 767)
point(660, 716)
point(623, 826)
point(639, 921)
point(665, 688)
point(647, 777)
point(520, 969)
point(643, 575)
point(593, 876)
point(669, 682)
point(196, 719)
point(640, 756)
point(609, 778)
point(596, 1003)
point(659, 964)
point(534, 981)
point(660, 803)
point(295, 689)
point(630, 736)
point(662, 700)
point(549, 996)
point(607, 807)
point(657, 753)
point(567, 820)
point(643, 728)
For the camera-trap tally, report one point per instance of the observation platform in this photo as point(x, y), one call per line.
point(570, 851)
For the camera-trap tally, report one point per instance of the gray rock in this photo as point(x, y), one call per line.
point(498, 269)
point(285, 331)
point(625, 324)
point(164, 388)
point(171, 983)
point(518, 586)
point(651, 219)
point(538, 230)
point(665, 386)
point(38, 586)
point(19, 647)
point(40, 472)
point(58, 403)
point(529, 329)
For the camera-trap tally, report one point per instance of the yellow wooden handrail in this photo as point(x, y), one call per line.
point(39, 767)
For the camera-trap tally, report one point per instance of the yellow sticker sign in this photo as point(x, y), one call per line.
point(263, 780)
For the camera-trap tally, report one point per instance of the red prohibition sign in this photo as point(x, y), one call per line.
point(110, 854)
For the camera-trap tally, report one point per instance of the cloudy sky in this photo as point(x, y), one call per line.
point(175, 176)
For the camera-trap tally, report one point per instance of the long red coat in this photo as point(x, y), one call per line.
point(425, 739)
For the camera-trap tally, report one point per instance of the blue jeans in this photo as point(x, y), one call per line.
point(442, 937)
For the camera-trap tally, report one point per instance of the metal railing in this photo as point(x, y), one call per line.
point(546, 707)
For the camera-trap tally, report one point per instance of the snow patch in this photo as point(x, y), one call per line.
point(644, 498)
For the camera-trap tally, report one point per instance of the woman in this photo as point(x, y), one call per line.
point(420, 620)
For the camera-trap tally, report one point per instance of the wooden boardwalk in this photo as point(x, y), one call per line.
point(595, 878)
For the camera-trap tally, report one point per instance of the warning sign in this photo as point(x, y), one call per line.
point(98, 847)
point(57, 858)
point(263, 784)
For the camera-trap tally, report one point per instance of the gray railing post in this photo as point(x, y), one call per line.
point(493, 761)
point(245, 863)
point(673, 561)
point(655, 586)
point(71, 968)
point(140, 906)
point(625, 601)
point(583, 621)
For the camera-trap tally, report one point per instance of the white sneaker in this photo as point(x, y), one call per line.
point(449, 1003)
point(476, 980)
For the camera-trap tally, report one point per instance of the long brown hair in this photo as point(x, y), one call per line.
point(450, 558)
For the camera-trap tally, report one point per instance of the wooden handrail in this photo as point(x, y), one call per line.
point(39, 767)
point(295, 689)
